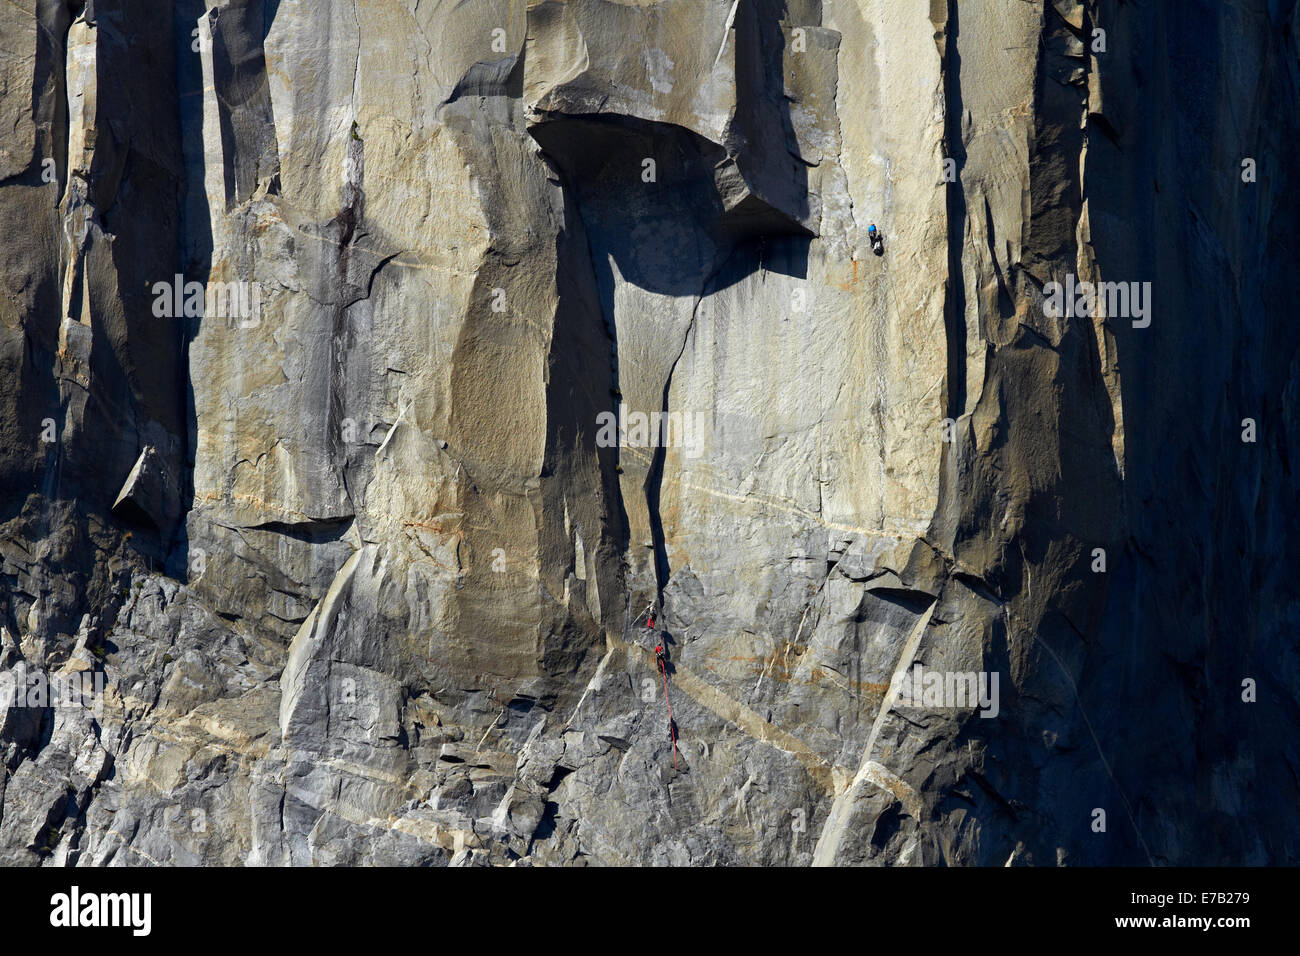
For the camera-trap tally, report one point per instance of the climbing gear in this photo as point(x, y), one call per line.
point(649, 614)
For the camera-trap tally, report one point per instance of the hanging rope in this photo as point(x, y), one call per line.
point(649, 615)
point(672, 727)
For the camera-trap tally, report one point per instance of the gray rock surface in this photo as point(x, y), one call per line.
point(315, 318)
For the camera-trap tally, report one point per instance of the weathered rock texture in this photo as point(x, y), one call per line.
point(364, 583)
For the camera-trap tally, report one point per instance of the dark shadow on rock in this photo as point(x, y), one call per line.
point(244, 115)
point(677, 214)
point(196, 249)
point(955, 197)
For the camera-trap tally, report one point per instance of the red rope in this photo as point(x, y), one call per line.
point(672, 728)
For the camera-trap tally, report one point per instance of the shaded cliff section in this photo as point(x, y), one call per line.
point(91, 196)
point(1203, 595)
point(1127, 733)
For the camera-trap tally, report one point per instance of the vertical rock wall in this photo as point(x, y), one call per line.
point(370, 366)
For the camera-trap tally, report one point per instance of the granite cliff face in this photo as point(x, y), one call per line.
point(336, 338)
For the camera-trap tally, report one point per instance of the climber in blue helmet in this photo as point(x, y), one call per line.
point(877, 244)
